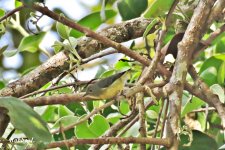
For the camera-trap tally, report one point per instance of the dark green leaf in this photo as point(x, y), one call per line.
point(24, 118)
point(130, 9)
point(201, 141)
point(2, 85)
point(31, 43)
point(92, 21)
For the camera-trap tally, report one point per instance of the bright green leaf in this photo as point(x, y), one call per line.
point(191, 105)
point(97, 128)
point(221, 74)
point(31, 43)
point(24, 118)
point(214, 61)
point(50, 114)
point(124, 107)
point(122, 65)
point(218, 90)
point(63, 30)
point(64, 111)
point(149, 27)
point(209, 76)
point(99, 121)
point(18, 3)
point(92, 21)
point(158, 8)
point(2, 13)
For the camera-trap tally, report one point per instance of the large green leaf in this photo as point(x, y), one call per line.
point(214, 61)
point(24, 118)
point(212, 70)
point(130, 9)
point(92, 21)
point(31, 43)
point(191, 105)
point(201, 141)
point(158, 8)
point(97, 128)
point(209, 76)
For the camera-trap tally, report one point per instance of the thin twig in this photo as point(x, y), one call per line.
point(11, 13)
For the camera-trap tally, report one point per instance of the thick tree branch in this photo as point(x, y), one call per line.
point(111, 140)
point(191, 38)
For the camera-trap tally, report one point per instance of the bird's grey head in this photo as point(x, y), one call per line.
point(91, 89)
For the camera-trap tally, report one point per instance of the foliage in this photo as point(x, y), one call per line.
point(37, 124)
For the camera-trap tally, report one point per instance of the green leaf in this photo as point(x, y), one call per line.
point(63, 30)
point(64, 111)
point(122, 65)
point(10, 53)
point(221, 74)
point(92, 21)
point(201, 141)
point(158, 8)
point(57, 46)
point(24, 118)
point(114, 117)
point(97, 128)
point(124, 107)
point(2, 12)
point(31, 43)
point(130, 9)
point(2, 85)
point(65, 121)
point(209, 76)
point(18, 3)
point(191, 105)
point(149, 27)
point(214, 61)
point(218, 90)
point(50, 114)
point(3, 48)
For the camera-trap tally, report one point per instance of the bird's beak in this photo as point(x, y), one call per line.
point(85, 94)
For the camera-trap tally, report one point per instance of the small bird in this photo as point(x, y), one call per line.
point(108, 87)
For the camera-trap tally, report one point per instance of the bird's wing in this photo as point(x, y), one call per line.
point(106, 82)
